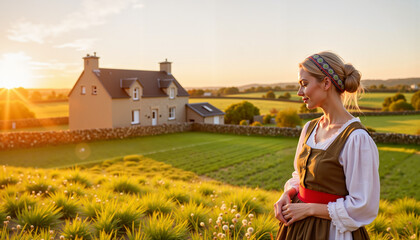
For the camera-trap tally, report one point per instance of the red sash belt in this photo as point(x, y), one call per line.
point(311, 196)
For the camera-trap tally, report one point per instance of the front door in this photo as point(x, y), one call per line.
point(154, 117)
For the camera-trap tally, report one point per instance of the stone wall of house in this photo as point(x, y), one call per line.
point(33, 122)
point(16, 140)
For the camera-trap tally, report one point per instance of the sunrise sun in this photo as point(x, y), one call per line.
point(15, 71)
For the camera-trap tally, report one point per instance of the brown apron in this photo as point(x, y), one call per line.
point(320, 170)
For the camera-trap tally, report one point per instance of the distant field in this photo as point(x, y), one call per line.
point(264, 105)
point(374, 100)
point(48, 110)
point(253, 161)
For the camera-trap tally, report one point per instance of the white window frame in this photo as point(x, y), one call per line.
point(216, 120)
point(172, 113)
point(94, 90)
point(135, 120)
point(136, 93)
point(172, 93)
point(83, 90)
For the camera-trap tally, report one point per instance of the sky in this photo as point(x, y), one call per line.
point(210, 43)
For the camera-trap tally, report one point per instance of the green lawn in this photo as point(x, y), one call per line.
point(253, 161)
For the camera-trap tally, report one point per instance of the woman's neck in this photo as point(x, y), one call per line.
point(334, 113)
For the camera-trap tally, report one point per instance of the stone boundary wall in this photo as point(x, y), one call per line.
point(33, 122)
point(396, 138)
point(17, 140)
point(361, 114)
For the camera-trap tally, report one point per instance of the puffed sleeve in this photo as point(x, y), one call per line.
point(294, 181)
point(360, 160)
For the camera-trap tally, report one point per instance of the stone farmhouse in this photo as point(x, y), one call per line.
point(112, 98)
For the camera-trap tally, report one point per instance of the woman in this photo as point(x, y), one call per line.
point(334, 190)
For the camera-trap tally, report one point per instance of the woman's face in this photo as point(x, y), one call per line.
point(310, 90)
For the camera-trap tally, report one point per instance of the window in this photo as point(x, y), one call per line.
point(171, 113)
point(207, 108)
point(135, 117)
point(94, 90)
point(83, 90)
point(216, 120)
point(136, 94)
point(172, 93)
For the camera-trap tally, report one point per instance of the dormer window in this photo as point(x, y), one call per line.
point(94, 90)
point(136, 94)
point(172, 93)
point(83, 90)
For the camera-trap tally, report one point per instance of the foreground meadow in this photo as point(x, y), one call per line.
point(136, 197)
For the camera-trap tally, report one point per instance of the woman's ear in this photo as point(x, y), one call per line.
point(326, 83)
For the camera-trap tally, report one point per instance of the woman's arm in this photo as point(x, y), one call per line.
point(297, 211)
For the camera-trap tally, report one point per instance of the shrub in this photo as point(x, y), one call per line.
point(264, 225)
point(243, 123)
point(304, 109)
point(156, 203)
point(400, 105)
point(240, 111)
point(288, 118)
point(270, 94)
point(125, 185)
point(286, 95)
point(161, 227)
point(77, 177)
point(68, 205)
point(256, 123)
point(40, 186)
point(178, 195)
point(40, 216)
point(415, 100)
point(14, 204)
point(77, 229)
point(267, 119)
point(194, 214)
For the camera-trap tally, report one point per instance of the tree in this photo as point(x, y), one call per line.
point(270, 94)
point(415, 100)
point(267, 119)
point(231, 90)
point(288, 118)
point(36, 96)
point(398, 97)
point(304, 109)
point(400, 105)
point(240, 111)
point(286, 95)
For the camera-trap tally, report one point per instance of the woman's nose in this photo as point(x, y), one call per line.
point(300, 92)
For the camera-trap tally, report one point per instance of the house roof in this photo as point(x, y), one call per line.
point(205, 109)
point(115, 80)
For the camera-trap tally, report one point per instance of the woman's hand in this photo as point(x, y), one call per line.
point(293, 212)
point(284, 200)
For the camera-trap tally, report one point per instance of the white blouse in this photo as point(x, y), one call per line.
point(360, 161)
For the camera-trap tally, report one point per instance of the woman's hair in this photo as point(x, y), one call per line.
point(345, 71)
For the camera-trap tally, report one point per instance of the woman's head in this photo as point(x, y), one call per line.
point(345, 72)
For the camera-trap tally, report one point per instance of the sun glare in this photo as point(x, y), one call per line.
point(15, 71)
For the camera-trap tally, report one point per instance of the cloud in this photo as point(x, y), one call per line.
point(92, 13)
point(79, 44)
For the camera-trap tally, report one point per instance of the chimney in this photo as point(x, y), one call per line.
point(165, 67)
point(91, 62)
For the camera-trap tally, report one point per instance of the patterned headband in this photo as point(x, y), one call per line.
point(328, 71)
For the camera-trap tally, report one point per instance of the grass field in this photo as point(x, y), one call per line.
point(163, 187)
point(50, 110)
point(253, 161)
point(368, 99)
point(264, 105)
